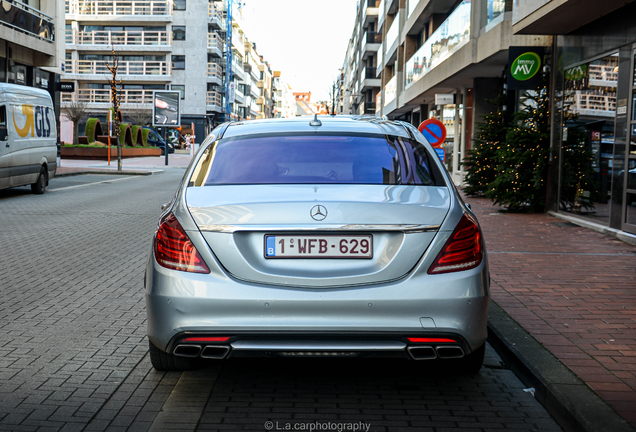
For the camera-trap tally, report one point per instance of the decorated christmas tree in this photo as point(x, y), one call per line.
point(520, 183)
point(481, 161)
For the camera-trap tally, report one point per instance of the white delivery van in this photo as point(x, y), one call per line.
point(28, 138)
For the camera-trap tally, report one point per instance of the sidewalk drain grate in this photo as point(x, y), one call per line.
point(564, 224)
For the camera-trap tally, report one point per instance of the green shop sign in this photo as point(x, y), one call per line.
point(525, 66)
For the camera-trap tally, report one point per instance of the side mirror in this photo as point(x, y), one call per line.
point(3, 133)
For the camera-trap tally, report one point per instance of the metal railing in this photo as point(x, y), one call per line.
point(24, 18)
point(370, 73)
point(103, 96)
point(98, 67)
point(215, 70)
point(215, 41)
point(116, 7)
point(214, 98)
point(125, 37)
point(373, 37)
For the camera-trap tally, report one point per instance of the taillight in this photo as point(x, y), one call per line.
point(463, 250)
point(174, 250)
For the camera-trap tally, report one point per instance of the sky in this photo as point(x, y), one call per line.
point(304, 39)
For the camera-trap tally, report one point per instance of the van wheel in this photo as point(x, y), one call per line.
point(163, 361)
point(40, 184)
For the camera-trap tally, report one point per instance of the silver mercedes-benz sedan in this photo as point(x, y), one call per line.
point(324, 237)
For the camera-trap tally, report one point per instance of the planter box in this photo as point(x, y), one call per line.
point(101, 153)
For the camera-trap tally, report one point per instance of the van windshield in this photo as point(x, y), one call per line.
point(316, 159)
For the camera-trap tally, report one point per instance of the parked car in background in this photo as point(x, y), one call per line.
point(154, 139)
point(333, 237)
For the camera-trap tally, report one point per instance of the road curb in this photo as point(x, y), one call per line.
point(111, 172)
point(566, 397)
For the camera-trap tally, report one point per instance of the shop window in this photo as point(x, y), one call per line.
point(589, 110)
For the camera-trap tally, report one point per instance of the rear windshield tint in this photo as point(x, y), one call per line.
point(311, 159)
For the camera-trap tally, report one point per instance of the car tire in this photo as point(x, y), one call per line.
point(471, 363)
point(162, 361)
point(40, 184)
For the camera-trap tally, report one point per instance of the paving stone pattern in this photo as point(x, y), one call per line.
point(73, 351)
point(574, 290)
point(72, 319)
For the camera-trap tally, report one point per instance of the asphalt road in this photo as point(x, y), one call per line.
point(73, 352)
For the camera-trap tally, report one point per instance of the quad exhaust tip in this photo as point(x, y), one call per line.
point(187, 350)
point(431, 353)
point(422, 352)
point(215, 352)
point(449, 352)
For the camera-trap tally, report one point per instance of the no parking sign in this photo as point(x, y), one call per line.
point(434, 131)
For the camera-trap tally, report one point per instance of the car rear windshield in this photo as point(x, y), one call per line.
point(316, 159)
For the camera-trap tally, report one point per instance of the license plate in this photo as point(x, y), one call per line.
point(318, 246)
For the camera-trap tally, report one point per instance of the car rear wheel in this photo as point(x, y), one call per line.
point(40, 184)
point(163, 361)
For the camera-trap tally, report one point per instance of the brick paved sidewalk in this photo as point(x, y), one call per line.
point(572, 289)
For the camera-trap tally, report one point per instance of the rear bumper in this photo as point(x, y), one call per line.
point(180, 303)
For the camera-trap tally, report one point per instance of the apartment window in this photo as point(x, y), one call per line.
point(179, 5)
point(262, 75)
point(178, 62)
point(180, 89)
point(178, 32)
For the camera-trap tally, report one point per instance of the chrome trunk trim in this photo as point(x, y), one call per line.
point(405, 228)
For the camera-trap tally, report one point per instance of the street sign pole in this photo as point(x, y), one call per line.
point(165, 139)
point(110, 119)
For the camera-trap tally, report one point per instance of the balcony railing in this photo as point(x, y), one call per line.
point(98, 67)
point(390, 91)
point(214, 98)
point(103, 96)
point(370, 73)
point(451, 35)
point(215, 71)
point(115, 7)
point(373, 37)
point(126, 37)
point(215, 41)
point(215, 10)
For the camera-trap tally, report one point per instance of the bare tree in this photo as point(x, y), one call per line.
point(76, 112)
point(139, 114)
point(114, 99)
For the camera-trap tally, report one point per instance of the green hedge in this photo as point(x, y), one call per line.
point(93, 129)
point(144, 136)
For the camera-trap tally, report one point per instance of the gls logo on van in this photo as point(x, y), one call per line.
point(37, 120)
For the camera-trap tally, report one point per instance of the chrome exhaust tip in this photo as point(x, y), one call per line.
point(215, 352)
point(450, 352)
point(422, 352)
point(187, 350)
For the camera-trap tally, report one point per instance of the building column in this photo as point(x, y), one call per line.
point(464, 99)
point(456, 141)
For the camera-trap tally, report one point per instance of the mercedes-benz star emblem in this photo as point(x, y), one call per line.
point(318, 212)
